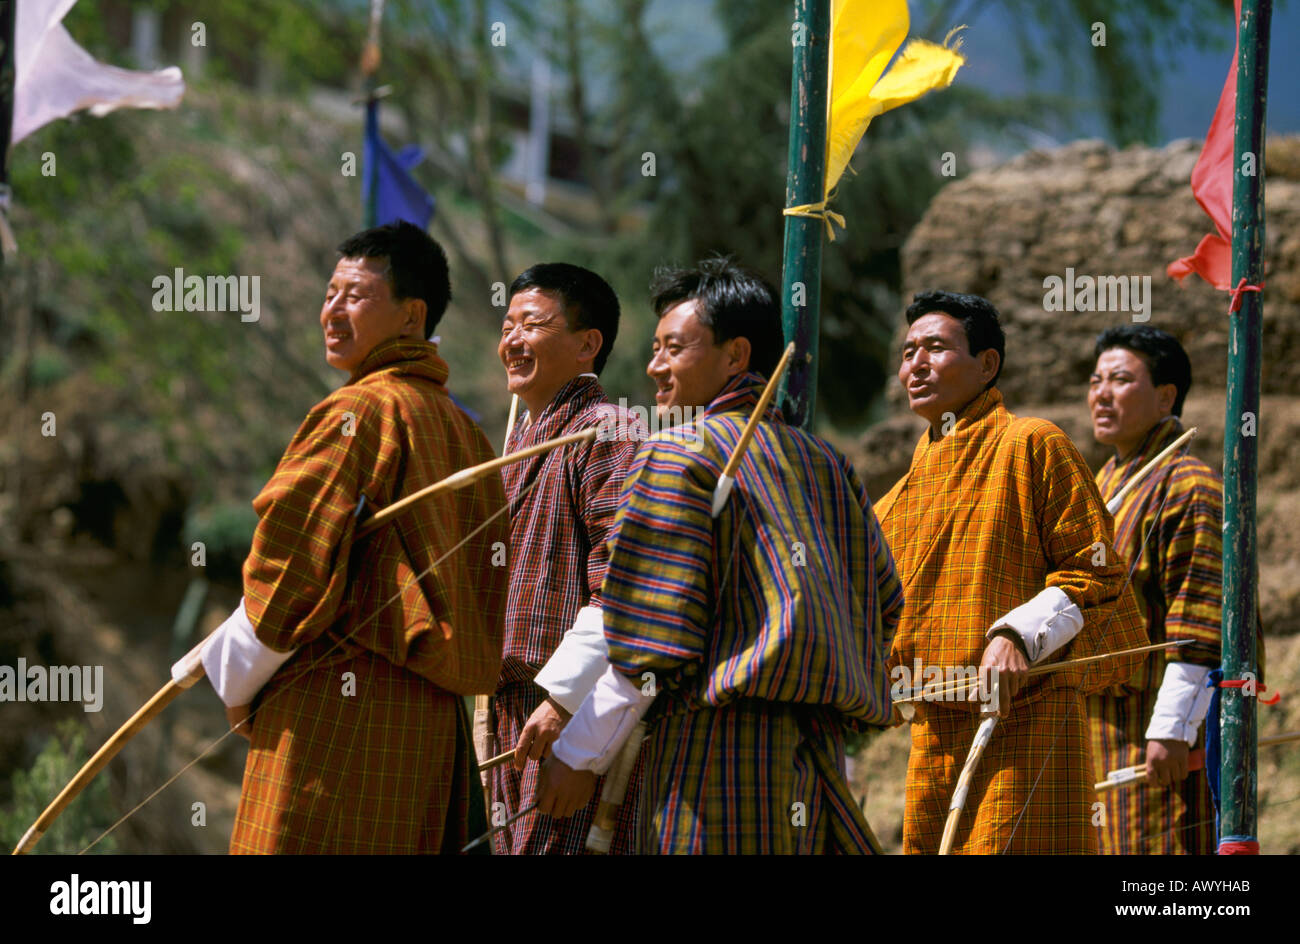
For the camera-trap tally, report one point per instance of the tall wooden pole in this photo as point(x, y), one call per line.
point(804, 184)
point(1241, 443)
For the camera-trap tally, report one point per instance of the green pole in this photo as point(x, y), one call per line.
point(805, 179)
point(1241, 444)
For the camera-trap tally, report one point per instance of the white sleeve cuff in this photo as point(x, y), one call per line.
point(1182, 703)
point(238, 664)
point(594, 735)
point(1045, 624)
point(578, 662)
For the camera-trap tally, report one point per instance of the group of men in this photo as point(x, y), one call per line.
point(610, 586)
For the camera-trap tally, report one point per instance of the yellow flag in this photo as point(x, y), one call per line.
point(865, 34)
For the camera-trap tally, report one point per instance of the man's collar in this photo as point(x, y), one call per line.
point(406, 352)
point(742, 393)
point(984, 404)
point(575, 393)
point(1157, 437)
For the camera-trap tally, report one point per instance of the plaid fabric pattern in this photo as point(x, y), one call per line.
point(537, 834)
point(745, 622)
point(562, 506)
point(1010, 808)
point(1178, 511)
point(986, 518)
point(388, 432)
point(385, 770)
point(559, 525)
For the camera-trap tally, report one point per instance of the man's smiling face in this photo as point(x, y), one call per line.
point(687, 367)
point(360, 312)
point(539, 352)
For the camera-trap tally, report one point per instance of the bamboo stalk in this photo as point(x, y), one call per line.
point(805, 184)
point(1237, 777)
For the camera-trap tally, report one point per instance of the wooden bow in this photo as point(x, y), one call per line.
point(484, 732)
point(190, 668)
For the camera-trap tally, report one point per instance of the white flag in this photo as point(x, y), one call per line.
point(55, 77)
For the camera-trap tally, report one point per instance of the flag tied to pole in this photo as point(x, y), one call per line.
point(865, 35)
point(1212, 186)
point(396, 194)
point(55, 77)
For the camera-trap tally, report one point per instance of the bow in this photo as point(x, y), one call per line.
point(967, 685)
point(483, 727)
point(985, 730)
point(601, 833)
point(190, 668)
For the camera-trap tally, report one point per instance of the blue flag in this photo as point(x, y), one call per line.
point(396, 195)
point(1213, 741)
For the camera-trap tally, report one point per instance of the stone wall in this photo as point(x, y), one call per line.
point(1100, 212)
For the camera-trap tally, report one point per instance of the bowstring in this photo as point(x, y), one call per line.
point(312, 666)
point(1128, 579)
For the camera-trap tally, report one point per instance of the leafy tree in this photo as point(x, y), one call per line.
point(83, 821)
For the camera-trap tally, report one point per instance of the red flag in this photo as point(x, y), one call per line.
point(1212, 185)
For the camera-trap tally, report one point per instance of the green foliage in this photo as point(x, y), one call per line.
point(226, 531)
point(49, 366)
point(85, 818)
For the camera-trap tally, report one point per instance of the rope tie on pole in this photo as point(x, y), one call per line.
point(818, 211)
point(1237, 292)
point(1259, 689)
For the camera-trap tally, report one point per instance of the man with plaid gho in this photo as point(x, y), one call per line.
point(353, 654)
point(1005, 551)
point(557, 334)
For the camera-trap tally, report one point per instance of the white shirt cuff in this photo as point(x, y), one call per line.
point(1181, 704)
point(578, 662)
point(594, 735)
point(238, 664)
point(1045, 624)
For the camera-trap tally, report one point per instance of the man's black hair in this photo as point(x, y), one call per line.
point(733, 301)
point(417, 266)
point(978, 318)
point(1165, 358)
point(587, 299)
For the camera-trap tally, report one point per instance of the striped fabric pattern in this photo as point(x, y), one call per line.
point(562, 507)
point(760, 631)
point(985, 519)
point(1178, 511)
point(390, 431)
